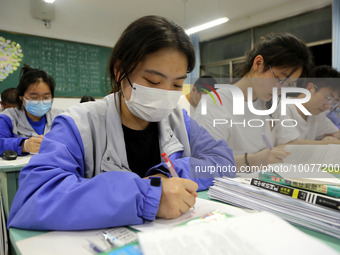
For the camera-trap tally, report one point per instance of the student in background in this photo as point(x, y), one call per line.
point(100, 165)
point(22, 128)
point(8, 98)
point(325, 93)
point(190, 101)
point(275, 62)
point(85, 99)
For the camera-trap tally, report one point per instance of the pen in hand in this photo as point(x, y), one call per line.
point(169, 165)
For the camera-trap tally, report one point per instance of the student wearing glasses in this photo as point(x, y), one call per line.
point(22, 128)
point(325, 92)
point(276, 61)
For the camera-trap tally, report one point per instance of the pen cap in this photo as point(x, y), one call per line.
point(165, 157)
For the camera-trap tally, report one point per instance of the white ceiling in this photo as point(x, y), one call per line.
point(102, 21)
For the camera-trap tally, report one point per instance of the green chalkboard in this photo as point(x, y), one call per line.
point(77, 68)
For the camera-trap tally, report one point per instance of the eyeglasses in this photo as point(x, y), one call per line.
point(282, 83)
point(329, 100)
point(34, 101)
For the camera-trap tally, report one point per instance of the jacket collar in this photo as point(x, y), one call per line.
point(168, 141)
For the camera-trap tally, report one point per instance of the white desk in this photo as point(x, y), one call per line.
point(17, 235)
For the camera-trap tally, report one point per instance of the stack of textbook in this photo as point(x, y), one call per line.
point(270, 192)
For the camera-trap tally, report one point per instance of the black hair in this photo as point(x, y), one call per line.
point(141, 38)
point(205, 80)
point(280, 50)
point(324, 77)
point(29, 76)
point(86, 99)
point(9, 96)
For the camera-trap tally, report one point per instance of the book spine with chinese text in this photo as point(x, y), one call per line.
point(309, 197)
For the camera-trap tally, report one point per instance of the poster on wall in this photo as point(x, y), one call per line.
point(10, 57)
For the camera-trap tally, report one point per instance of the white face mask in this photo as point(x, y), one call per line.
point(152, 104)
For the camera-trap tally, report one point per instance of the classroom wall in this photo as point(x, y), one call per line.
point(102, 27)
point(64, 103)
point(15, 16)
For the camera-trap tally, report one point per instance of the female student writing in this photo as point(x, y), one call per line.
point(100, 165)
point(22, 128)
point(276, 61)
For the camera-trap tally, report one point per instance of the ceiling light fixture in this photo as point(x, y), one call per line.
point(49, 1)
point(206, 25)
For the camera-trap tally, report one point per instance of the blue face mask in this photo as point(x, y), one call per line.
point(38, 108)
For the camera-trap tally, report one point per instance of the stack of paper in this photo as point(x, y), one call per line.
point(234, 191)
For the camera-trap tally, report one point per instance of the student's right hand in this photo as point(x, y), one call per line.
point(267, 156)
point(178, 196)
point(32, 144)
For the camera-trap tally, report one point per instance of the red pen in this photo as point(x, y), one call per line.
point(169, 165)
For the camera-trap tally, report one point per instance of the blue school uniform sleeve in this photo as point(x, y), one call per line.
point(54, 195)
point(209, 158)
point(8, 140)
point(334, 118)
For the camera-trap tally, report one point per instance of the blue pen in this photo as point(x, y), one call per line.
point(267, 142)
point(95, 248)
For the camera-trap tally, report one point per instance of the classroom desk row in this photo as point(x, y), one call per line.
point(17, 235)
point(9, 179)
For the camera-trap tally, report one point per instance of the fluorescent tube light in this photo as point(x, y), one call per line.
point(49, 1)
point(206, 25)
